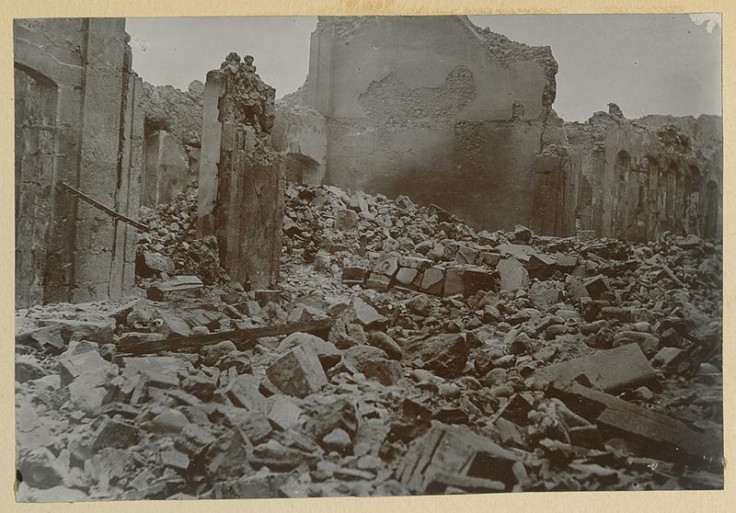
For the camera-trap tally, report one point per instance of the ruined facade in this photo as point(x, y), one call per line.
point(409, 109)
point(635, 180)
point(444, 112)
point(77, 122)
point(241, 177)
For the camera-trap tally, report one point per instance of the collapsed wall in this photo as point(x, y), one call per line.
point(77, 122)
point(434, 108)
point(635, 180)
point(173, 122)
point(446, 113)
point(241, 177)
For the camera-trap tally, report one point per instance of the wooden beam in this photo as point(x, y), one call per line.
point(198, 341)
point(103, 208)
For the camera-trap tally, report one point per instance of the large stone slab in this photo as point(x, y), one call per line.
point(611, 370)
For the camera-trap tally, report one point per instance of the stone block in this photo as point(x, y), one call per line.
point(512, 275)
point(27, 368)
point(454, 283)
point(253, 424)
point(611, 370)
point(454, 451)
point(433, 281)
point(664, 437)
point(387, 264)
point(466, 255)
point(648, 343)
point(477, 278)
point(354, 275)
point(368, 316)
point(373, 363)
point(161, 371)
point(414, 262)
point(185, 285)
point(176, 459)
point(298, 373)
point(596, 286)
point(489, 258)
point(445, 355)
point(71, 329)
point(520, 252)
point(89, 364)
point(115, 434)
point(283, 413)
point(544, 294)
point(540, 265)
point(378, 282)
point(244, 391)
point(406, 276)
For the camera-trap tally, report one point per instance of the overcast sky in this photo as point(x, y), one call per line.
point(647, 64)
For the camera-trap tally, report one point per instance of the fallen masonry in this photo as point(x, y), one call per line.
point(600, 368)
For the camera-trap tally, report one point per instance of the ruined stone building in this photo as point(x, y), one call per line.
point(434, 108)
point(77, 122)
point(447, 113)
point(430, 107)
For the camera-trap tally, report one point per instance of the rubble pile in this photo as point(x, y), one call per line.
point(403, 353)
point(171, 246)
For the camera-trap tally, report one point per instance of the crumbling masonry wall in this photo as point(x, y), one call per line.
point(77, 121)
point(173, 122)
point(241, 177)
point(435, 108)
point(444, 112)
point(635, 180)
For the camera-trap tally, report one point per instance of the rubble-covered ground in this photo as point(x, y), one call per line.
point(403, 353)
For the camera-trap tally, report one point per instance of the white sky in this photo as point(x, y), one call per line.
point(647, 64)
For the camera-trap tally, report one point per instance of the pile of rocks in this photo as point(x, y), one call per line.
point(171, 246)
point(546, 364)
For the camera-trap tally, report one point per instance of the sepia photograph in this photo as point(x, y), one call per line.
point(367, 256)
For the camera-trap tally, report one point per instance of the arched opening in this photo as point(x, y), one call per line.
point(623, 165)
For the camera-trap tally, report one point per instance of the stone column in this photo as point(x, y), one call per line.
point(241, 187)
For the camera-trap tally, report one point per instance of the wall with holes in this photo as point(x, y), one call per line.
point(77, 122)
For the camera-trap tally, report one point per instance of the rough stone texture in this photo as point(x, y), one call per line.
point(173, 124)
point(298, 372)
point(301, 132)
point(446, 113)
point(434, 121)
point(78, 121)
point(445, 355)
point(637, 179)
point(241, 180)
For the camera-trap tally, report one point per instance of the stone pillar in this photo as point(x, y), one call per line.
point(241, 186)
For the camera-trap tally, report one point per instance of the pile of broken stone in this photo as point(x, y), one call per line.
point(170, 246)
point(403, 353)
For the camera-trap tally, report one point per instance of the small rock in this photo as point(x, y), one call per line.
point(337, 440)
